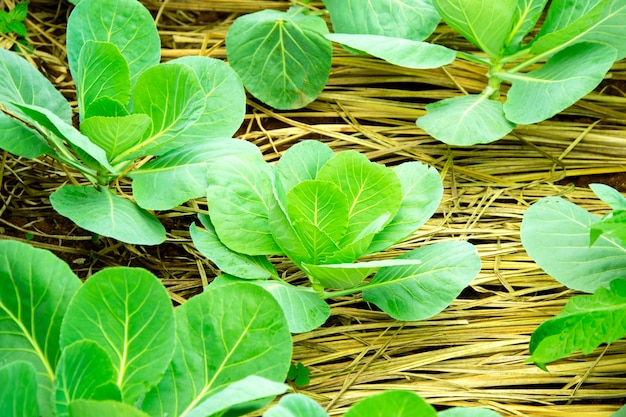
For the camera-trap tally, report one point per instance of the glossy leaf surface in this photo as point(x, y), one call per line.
point(392, 403)
point(23, 401)
point(296, 405)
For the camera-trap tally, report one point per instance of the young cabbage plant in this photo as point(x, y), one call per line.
point(569, 56)
point(115, 346)
point(131, 109)
point(585, 253)
point(325, 212)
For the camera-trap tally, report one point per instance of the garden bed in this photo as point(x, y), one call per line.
point(472, 354)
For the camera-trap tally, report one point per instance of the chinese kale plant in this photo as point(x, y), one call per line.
point(325, 212)
point(115, 346)
point(586, 253)
point(131, 108)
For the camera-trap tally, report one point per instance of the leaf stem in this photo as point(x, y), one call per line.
point(473, 58)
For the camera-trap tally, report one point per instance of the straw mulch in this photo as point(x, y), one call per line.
point(473, 353)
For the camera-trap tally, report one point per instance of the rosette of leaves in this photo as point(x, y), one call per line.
point(115, 346)
point(586, 253)
point(159, 124)
point(325, 212)
point(548, 68)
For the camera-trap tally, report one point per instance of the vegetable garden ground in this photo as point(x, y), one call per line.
point(473, 353)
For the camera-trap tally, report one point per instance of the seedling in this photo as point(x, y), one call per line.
point(585, 253)
point(13, 20)
point(130, 110)
point(324, 212)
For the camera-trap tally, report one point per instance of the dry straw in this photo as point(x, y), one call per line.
point(473, 353)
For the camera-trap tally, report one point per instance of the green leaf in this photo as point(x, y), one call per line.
point(386, 18)
point(106, 214)
point(296, 405)
point(610, 196)
point(422, 191)
point(173, 98)
point(20, 140)
point(239, 195)
point(556, 234)
point(18, 393)
point(392, 403)
point(318, 211)
point(612, 226)
point(620, 413)
point(116, 134)
point(299, 374)
point(82, 408)
point(300, 162)
point(231, 262)
point(35, 289)
point(485, 25)
point(238, 394)
point(182, 174)
point(127, 24)
point(466, 120)
point(525, 18)
point(20, 11)
point(225, 99)
point(285, 235)
point(73, 383)
point(128, 313)
point(349, 275)
point(282, 58)
point(468, 412)
point(303, 308)
point(106, 107)
point(585, 322)
point(398, 51)
point(417, 292)
point(562, 81)
point(225, 334)
point(569, 22)
point(372, 190)
point(65, 131)
point(101, 71)
point(18, 28)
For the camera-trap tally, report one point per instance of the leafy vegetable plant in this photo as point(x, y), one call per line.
point(548, 71)
point(325, 212)
point(115, 345)
point(13, 20)
point(585, 253)
point(130, 109)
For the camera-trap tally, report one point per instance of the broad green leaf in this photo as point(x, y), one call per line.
point(107, 214)
point(284, 233)
point(127, 24)
point(372, 190)
point(300, 162)
point(421, 194)
point(486, 25)
point(556, 234)
point(83, 408)
point(566, 78)
point(65, 131)
point(591, 21)
point(408, 19)
point(296, 405)
point(182, 174)
point(18, 391)
point(585, 322)
point(620, 413)
point(128, 313)
point(350, 275)
point(303, 308)
point(239, 196)
point(398, 51)
point(359, 247)
point(20, 140)
point(106, 107)
point(84, 372)
point(240, 394)
point(223, 335)
point(101, 71)
point(468, 412)
point(525, 17)
point(466, 120)
point(116, 134)
point(231, 262)
point(225, 99)
point(610, 196)
point(417, 292)
point(318, 211)
point(392, 404)
point(612, 226)
point(35, 289)
point(173, 98)
point(282, 58)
